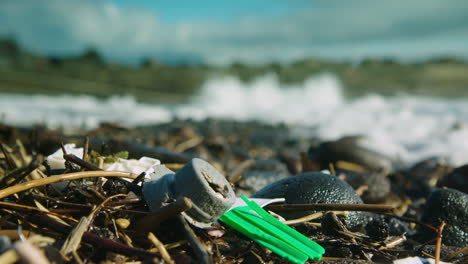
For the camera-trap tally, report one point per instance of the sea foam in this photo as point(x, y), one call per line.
point(406, 128)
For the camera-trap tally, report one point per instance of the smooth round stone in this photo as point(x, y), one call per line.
point(451, 206)
point(314, 187)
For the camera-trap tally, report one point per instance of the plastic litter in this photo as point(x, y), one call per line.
point(257, 224)
point(144, 164)
point(56, 160)
point(210, 192)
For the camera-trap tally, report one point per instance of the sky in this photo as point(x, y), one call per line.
point(255, 31)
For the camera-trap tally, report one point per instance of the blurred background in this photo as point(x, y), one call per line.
point(393, 70)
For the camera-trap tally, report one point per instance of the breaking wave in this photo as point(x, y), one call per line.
point(407, 128)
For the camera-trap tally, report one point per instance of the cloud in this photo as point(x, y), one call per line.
point(327, 28)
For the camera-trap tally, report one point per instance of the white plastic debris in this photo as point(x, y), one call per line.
point(260, 201)
point(56, 160)
point(144, 164)
point(417, 260)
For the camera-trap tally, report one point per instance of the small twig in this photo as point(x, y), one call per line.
point(463, 251)
point(190, 143)
point(60, 178)
point(306, 218)
point(19, 173)
point(394, 242)
point(74, 239)
point(331, 207)
point(28, 169)
point(439, 242)
point(360, 191)
point(9, 162)
point(332, 169)
point(257, 256)
point(80, 162)
point(149, 222)
point(96, 240)
point(22, 207)
point(86, 148)
point(162, 250)
point(197, 246)
point(310, 217)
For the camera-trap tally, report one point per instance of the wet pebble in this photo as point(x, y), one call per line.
point(451, 206)
point(314, 187)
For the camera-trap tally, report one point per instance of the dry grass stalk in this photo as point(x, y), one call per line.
point(74, 239)
point(60, 178)
point(382, 208)
point(162, 250)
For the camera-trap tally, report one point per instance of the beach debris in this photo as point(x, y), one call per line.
point(115, 162)
point(56, 159)
point(449, 206)
point(31, 206)
point(314, 187)
point(257, 224)
point(209, 191)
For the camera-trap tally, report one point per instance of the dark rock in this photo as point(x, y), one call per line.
point(351, 149)
point(377, 230)
point(451, 206)
point(314, 187)
point(378, 185)
point(457, 179)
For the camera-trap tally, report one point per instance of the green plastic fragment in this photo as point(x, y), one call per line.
point(256, 223)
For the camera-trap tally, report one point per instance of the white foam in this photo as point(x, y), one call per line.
point(407, 128)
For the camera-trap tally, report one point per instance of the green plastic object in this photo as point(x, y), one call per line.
point(257, 224)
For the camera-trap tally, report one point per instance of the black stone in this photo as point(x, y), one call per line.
point(314, 187)
point(451, 206)
point(377, 230)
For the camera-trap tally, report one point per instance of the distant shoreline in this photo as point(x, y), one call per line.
point(27, 73)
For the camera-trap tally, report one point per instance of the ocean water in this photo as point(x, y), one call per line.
point(406, 128)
